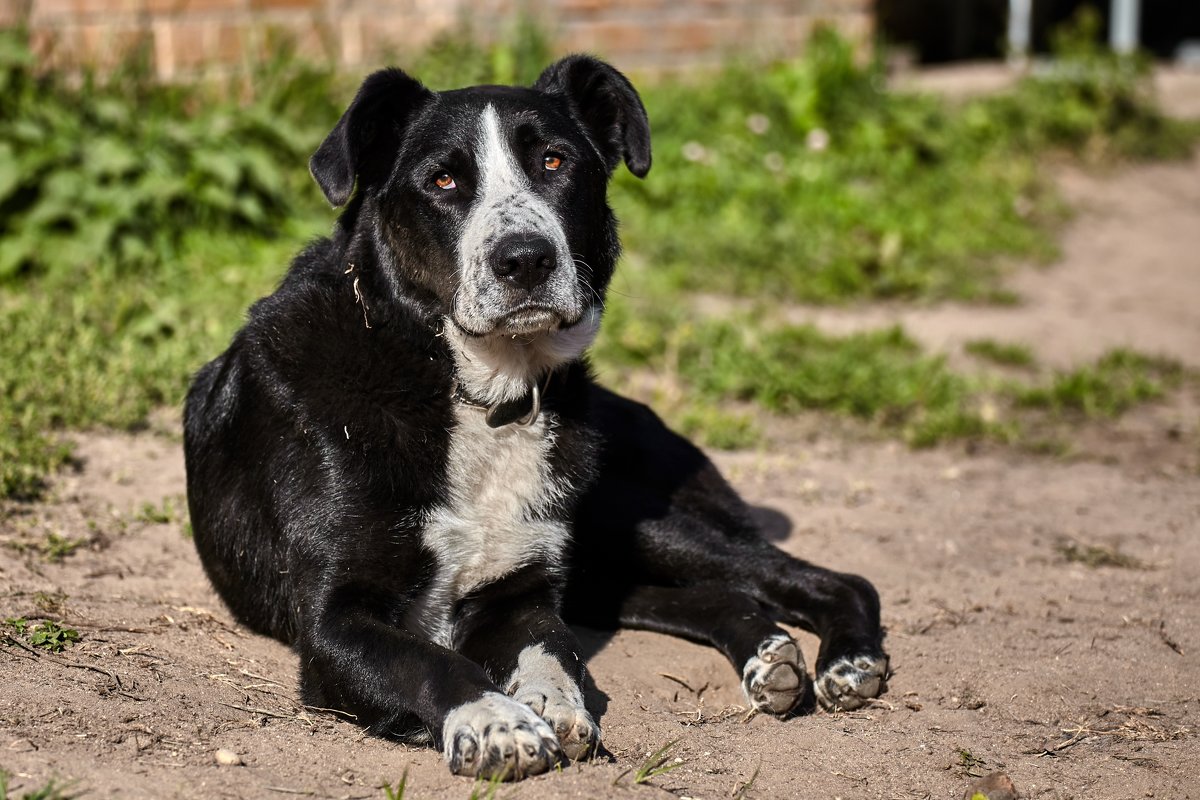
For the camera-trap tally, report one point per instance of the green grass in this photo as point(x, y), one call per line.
point(51, 790)
point(1004, 354)
point(396, 792)
point(657, 763)
point(882, 378)
point(1117, 381)
point(137, 223)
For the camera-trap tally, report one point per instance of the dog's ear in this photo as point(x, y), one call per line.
point(363, 143)
point(608, 106)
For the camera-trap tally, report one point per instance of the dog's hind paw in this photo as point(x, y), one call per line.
point(497, 736)
point(849, 683)
point(774, 678)
point(577, 732)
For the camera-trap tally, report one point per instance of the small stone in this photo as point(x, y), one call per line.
point(227, 758)
point(996, 786)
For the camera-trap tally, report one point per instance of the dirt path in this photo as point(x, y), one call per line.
point(1076, 681)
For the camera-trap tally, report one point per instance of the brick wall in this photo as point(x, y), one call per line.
point(184, 37)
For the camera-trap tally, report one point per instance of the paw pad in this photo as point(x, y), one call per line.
point(774, 678)
point(495, 736)
point(849, 683)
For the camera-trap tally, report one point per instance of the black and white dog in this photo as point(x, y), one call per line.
point(402, 467)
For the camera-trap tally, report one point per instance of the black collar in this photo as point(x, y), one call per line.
point(522, 412)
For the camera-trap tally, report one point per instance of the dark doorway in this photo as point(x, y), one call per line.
point(960, 30)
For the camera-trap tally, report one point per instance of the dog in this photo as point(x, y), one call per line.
point(402, 466)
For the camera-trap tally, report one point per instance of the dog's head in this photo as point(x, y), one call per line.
point(489, 203)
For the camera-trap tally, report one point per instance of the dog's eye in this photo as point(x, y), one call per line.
point(444, 180)
point(552, 161)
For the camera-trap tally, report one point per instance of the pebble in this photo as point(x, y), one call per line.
point(227, 758)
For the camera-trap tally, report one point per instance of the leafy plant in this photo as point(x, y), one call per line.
point(53, 636)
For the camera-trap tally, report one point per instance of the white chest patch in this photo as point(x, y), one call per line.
point(494, 521)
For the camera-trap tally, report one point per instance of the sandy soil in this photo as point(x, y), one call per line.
point(1076, 681)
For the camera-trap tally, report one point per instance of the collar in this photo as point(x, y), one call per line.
point(522, 411)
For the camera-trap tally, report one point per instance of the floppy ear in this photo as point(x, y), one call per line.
point(365, 139)
point(608, 106)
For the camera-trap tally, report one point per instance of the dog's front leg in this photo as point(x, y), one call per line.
point(513, 629)
point(353, 659)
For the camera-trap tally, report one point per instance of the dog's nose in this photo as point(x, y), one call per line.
point(524, 261)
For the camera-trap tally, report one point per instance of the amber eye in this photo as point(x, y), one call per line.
point(444, 180)
point(552, 161)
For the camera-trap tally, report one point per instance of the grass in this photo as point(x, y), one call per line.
point(1118, 381)
point(487, 789)
point(127, 262)
point(396, 792)
point(171, 509)
point(657, 763)
point(52, 547)
point(51, 790)
point(1001, 353)
point(882, 378)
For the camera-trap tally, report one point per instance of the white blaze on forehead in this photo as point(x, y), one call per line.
point(499, 174)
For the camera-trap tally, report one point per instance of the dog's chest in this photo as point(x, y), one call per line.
point(497, 516)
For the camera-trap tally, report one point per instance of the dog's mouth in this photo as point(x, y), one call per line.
point(530, 319)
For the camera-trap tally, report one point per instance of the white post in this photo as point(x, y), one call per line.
point(1020, 24)
point(1123, 25)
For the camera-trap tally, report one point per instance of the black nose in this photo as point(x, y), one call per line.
point(524, 261)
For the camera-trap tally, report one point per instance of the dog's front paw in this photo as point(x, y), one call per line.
point(577, 732)
point(849, 683)
point(496, 736)
point(774, 679)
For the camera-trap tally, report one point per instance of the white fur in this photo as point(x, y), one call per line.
point(497, 368)
point(495, 519)
point(506, 204)
point(540, 682)
point(538, 671)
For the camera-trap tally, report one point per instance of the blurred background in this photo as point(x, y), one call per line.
point(834, 181)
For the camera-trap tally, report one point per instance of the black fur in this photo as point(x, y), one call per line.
point(317, 445)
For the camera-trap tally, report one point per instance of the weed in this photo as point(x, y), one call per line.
point(50, 791)
point(742, 790)
point(53, 636)
point(1093, 556)
point(396, 793)
point(55, 547)
point(1005, 354)
point(657, 763)
point(486, 790)
point(18, 624)
point(168, 511)
point(972, 764)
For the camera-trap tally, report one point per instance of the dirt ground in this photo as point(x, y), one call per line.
point(1007, 655)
